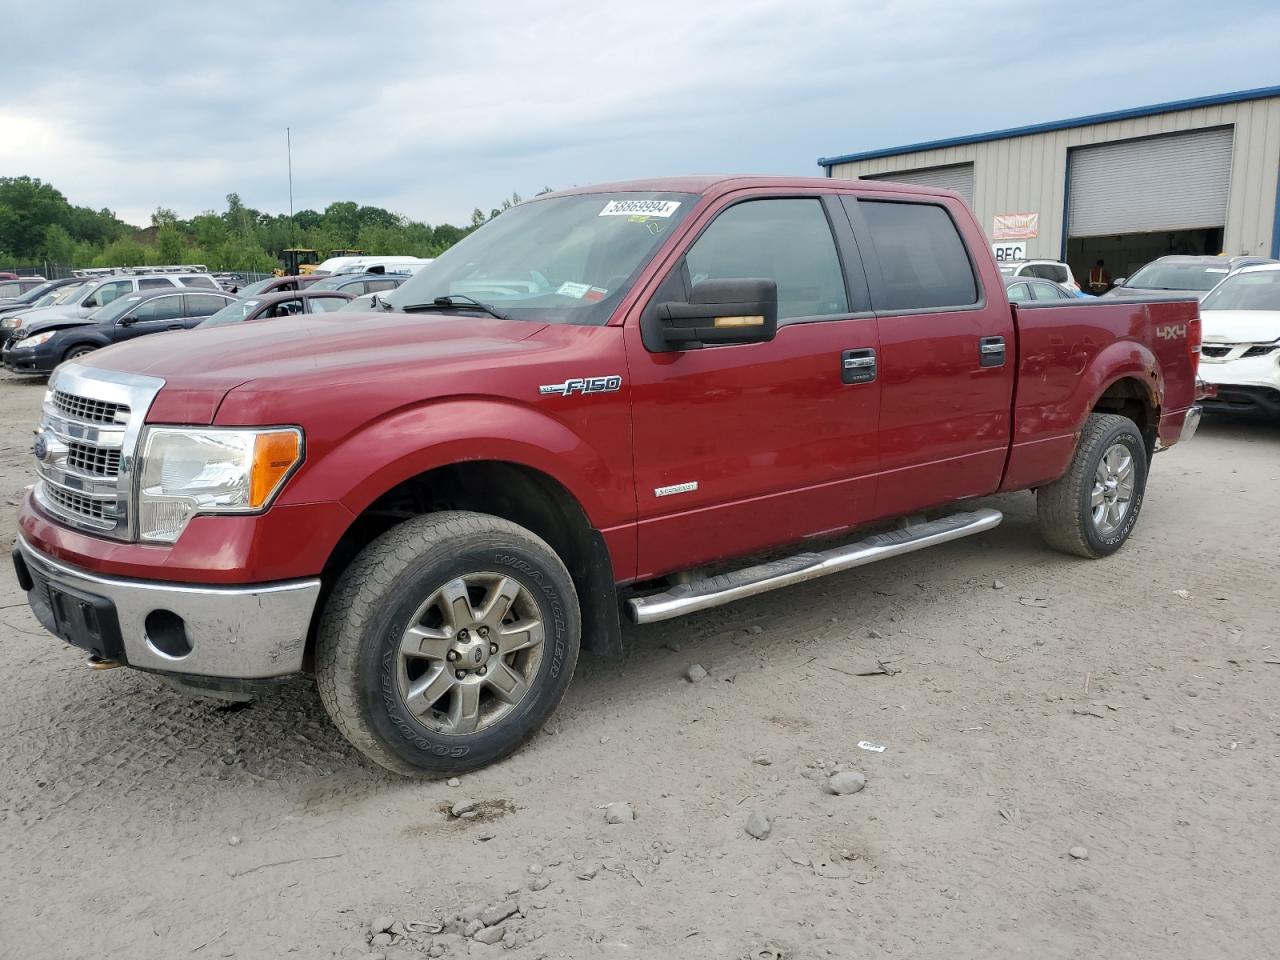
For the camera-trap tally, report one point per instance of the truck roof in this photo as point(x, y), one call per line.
point(708, 185)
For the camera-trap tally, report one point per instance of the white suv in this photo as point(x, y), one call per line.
point(1240, 341)
point(1054, 270)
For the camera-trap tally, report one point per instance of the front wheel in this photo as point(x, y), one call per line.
point(1091, 510)
point(78, 351)
point(447, 643)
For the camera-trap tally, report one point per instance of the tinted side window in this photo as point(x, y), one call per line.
point(1044, 291)
point(923, 262)
point(206, 282)
point(202, 304)
point(373, 285)
point(1018, 293)
point(788, 241)
point(325, 304)
point(161, 308)
point(1048, 271)
point(153, 283)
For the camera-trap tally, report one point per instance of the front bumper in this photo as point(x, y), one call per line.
point(33, 360)
point(1248, 385)
point(240, 633)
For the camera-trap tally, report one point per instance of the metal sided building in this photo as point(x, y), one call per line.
point(1194, 176)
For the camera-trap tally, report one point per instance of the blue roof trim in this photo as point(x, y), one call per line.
point(1240, 96)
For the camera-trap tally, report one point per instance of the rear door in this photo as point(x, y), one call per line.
point(200, 305)
point(740, 447)
point(947, 350)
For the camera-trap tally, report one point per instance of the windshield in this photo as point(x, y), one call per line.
point(561, 260)
point(64, 294)
point(1177, 276)
point(1246, 291)
point(116, 309)
point(253, 289)
point(233, 312)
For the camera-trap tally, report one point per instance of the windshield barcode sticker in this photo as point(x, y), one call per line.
point(640, 208)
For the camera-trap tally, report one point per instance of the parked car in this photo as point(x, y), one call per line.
point(1180, 276)
point(1027, 289)
point(1054, 270)
point(280, 304)
point(29, 300)
point(360, 283)
point(18, 286)
point(97, 292)
point(614, 395)
point(277, 285)
point(125, 318)
point(1241, 349)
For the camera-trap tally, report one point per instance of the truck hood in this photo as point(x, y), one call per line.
point(200, 367)
point(1240, 326)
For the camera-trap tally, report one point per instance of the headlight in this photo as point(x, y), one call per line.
point(188, 471)
point(35, 341)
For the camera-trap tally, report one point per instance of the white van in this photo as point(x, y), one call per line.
point(382, 265)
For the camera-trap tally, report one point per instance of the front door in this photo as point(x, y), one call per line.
point(151, 316)
point(947, 352)
point(741, 447)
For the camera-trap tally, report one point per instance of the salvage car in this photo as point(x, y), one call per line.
point(126, 318)
point(96, 293)
point(1241, 350)
point(1180, 276)
point(19, 287)
point(1054, 270)
point(659, 396)
point(273, 305)
point(31, 299)
point(1025, 289)
point(277, 285)
point(359, 284)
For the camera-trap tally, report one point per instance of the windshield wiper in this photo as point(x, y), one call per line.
point(454, 301)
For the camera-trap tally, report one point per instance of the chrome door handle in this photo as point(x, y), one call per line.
point(991, 352)
point(858, 366)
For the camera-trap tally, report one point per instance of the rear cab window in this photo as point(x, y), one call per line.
point(923, 262)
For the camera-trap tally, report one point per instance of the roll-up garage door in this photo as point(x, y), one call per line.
point(1175, 182)
point(958, 177)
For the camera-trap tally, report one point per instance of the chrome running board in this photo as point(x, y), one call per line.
point(727, 587)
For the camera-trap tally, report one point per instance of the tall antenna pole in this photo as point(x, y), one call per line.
point(288, 140)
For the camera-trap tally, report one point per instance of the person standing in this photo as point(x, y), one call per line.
point(1099, 279)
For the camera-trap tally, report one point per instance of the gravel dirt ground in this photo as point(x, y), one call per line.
point(1037, 703)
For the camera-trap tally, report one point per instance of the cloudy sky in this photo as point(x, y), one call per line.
point(431, 108)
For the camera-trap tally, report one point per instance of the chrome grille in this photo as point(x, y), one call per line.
point(86, 408)
point(90, 430)
point(91, 459)
point(92, 507)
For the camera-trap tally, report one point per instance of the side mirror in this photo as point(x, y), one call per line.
point(721, 311)
point(1119, 281)
point(127, 321)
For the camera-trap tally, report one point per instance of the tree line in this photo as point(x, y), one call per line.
point(39, 225)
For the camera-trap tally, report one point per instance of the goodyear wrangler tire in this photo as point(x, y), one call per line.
point(1091, 510)
point(447, 643)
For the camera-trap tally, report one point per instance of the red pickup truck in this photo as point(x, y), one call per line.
point(660, 395)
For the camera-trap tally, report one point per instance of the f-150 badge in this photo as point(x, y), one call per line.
point(582, 385)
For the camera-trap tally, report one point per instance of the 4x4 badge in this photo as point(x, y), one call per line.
point(582, 385)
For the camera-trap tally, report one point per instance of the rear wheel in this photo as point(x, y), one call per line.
point(1091, 510)
point(447, 643)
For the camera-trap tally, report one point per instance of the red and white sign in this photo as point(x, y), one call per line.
point(1016, 226)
